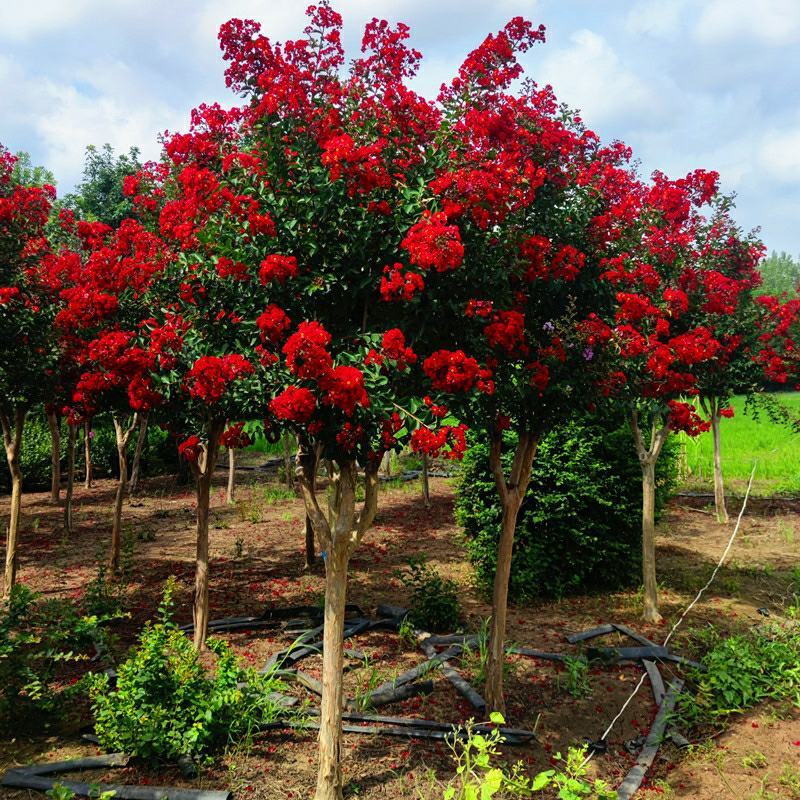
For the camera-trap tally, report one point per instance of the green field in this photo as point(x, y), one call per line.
point(747, 438)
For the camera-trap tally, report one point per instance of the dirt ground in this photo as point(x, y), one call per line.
point(257, 562)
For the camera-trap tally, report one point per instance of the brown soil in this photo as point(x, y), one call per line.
point(256, 551)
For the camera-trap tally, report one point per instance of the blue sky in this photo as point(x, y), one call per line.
point(687, 83)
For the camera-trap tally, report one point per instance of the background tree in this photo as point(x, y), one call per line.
point(501, 278)
point(729, 269)
point(27, 356)
point(780, 275)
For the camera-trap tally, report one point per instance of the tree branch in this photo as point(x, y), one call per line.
point(306, 462)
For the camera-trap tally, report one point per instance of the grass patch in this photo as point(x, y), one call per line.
point(747, 438)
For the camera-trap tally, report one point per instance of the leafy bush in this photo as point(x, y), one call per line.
point(158, 456)
point(742, 671)
point(579, 527)
point(434, 599)
point(36, 637)
point(478, 778)
point(166, 704)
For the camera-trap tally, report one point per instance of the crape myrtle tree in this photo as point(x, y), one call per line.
point(778, 350)
point(501, 277)
point(284, 213)
point(668, 322)
point(728, 263)
point(27, 356)
point(101, 280)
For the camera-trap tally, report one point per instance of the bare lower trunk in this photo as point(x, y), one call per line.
point(72, 435)
point(426, 489)
point(651, 613)
point(310, 549)
point(204, 474)
point(387, 464)
point(123, 436)
point(329, 778)
point(12, 439)
point(137, 455)
point(230, 496)
point(55, 456)
point(200, 614)
point(719, 484)
point(339, 532)
point(116, 525)
point(88, 474)
point(287, 461)
point(512, 492)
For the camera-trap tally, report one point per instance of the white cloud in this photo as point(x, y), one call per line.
point(658, 18)
point(24, 20)
point(779, 154)
point(775, 22)
point(590, 76)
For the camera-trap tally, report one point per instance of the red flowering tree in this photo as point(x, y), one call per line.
point(728, 263)
point(671, 336)
point(284, 214)
point(101, 278)
point(501, 277)
point(28, 355)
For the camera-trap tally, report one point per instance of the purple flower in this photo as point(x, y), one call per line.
point(588, 354)
point(548, 326)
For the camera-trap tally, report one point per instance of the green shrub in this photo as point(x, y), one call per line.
point(434, 602)
point(579, 527)
point(742, 671)
point(480, 777)
point(36, 638)
point(166, 704)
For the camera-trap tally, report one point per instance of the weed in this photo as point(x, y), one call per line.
point(790, 780)
point(238, 548)
point(275, 494)
point(574, 680)
point(754, 761)
point(408, 634)
point(434, 599)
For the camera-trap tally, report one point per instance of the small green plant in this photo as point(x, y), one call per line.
point(478, 778)
point(475, 657)
point(408, 634)
point(789, 779)
point(36, 638)
point(434, 599)
point(60, 792)
point(103, 597)
point(742, 671)
point(754, 761)
point(166, 704)
point(574, 680)
point(238, 548)
point(275, 494)
point(363, 695)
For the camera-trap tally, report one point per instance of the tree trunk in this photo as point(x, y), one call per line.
point(387, 463)
point(512, 492)
point(426, 489)
point(88, 474)
point(719, 484)
point(12, 439)
point(231, 492)
point(329, 778)
point(651, 613)
point(72, 435)
point(53, 423)
point(287, 461)
point(339, 532)
point(122, 486)
point(204, 474)
point(137, 455)
point(311, 555)
point(123, 436)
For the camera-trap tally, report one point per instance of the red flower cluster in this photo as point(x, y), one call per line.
point(452, 371)
point(277, 268)
point(684, 417)
point(190, 449)
point(447, 441)
point(306, 351)
point(399, 285)
point(432, 243)
point(228, 268)
point(344, 388)
point(507, 332)
point(393, 348)
point(294, 404)
point(210, 376)
point(273, 324)
point(235, 437)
